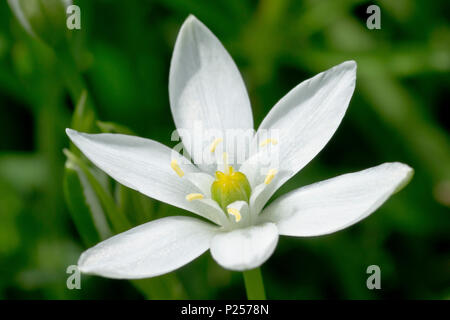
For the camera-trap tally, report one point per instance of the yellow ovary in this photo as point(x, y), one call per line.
point(230, 186)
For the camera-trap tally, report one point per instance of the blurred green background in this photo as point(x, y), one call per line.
point(121, 56)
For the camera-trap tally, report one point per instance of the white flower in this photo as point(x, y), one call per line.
point(205, 86)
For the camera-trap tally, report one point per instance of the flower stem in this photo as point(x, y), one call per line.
point(254, 284)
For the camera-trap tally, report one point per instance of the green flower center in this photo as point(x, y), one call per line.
point(229, 187)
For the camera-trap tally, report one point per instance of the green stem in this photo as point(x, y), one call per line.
point(254, 284)
point(71, 76)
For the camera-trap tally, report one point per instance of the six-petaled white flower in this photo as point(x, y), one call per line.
point(205, 86)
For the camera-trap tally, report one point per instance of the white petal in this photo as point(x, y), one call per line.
point(211, 210)
point(262, 193)
point(206, 89)
point(245, 219)
point(141, 164)
point(244, 249)
point(256, 166)
point(202, 181)
point(149, 250)
point(307, 117)
point(337, 203)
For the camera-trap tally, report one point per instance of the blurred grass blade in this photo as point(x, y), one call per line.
point(45, 20)
point(166, 287)
point(137, 207)
point(84, 116)
point(111, 127)
point(84, 206)
point(24, 171)
point(118, 221)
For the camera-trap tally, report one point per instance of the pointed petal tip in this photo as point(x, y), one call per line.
point(81, 268)
point(349, 67)
point(406, 171)
point(70, 131)
point(73, 133)
point(89, 270)
point(351, 64)
point(191, 24)
point(191, 17)
point(191, 20)
point(81, 264)
point(402, 166)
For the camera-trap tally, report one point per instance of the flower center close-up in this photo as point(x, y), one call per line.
point(229, 188)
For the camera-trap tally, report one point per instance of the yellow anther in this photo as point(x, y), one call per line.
point(235, 212)
point(267, 141)
point(270, 175)
point(214, 144)
point(194, 196)
point(176, 168)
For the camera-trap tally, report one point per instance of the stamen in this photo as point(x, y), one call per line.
point(225, 161)
point(267, 141)
point(194, 196)
point(214, 144)
point(270, 175)
point(176, 168)
point(234, 212)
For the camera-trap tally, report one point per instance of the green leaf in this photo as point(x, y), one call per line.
point(118, 221)
point(136, 206)
point(84, 206)
point(84, 116)
point(111, 127)
point(166, 287)
point(25, 171)
point(45, 20)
